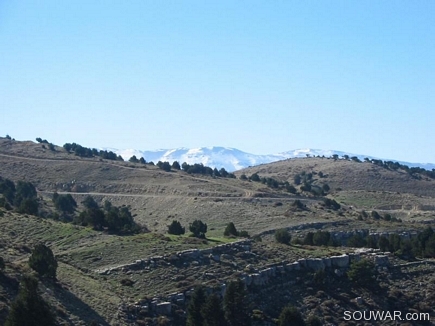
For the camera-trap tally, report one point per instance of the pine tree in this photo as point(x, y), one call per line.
point(194, 316)
point(235, 305)
point(231, 230)
point(43, 261)
point(29, 308)
point(212, 312)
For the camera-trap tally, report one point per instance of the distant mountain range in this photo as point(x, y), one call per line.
point(233, 159)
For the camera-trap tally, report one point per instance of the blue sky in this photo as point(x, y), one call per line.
point(260, 76)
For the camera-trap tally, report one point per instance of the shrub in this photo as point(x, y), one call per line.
point(43, 261)
point(176, 228)
point(244, 234)
point(298, 204)
point(283, 236)
point(331, 203)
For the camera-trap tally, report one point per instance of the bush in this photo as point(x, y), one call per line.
point(43, 261)
point(176, 228)
point(298, 204)
point(331, 203)
point(244, 234)
point(283, 236)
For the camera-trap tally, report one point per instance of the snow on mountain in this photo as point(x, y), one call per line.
point(233, 159)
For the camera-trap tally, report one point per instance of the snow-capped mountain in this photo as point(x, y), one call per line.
point(233, 159)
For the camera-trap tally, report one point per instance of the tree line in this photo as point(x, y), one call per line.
point(91, 152)
point(423, 245)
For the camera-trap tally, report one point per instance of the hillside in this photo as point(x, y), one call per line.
point(361, 184)
point(109, 278)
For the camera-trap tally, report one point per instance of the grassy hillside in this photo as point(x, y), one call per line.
point(94, 285)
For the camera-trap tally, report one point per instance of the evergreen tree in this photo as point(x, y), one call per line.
point(26, 198)
point(194, 316)
point(212, 312)
point(90, 203)
point(133, 159)
point(176, 228)
point(64, 203)
point(7, 188)
point(290, 316)
point(283, 236)
point(362, 273)
point(2, 264)
point(198, 228)
point(235, 304)
point(29, 308)
point(43, 261)
point(176, 165)
point(231, 230)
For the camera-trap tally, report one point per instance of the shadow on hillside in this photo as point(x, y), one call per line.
point(74, 306)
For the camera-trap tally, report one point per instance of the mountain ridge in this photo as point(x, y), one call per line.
point(233, 159)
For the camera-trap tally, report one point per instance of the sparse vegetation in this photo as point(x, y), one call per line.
point(90, 286)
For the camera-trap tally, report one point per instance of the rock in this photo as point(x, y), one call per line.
point(338, 272)
point(381, 260)
point(214, 257)
point(315, 264)
point(164, 308)
point(340, 261)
